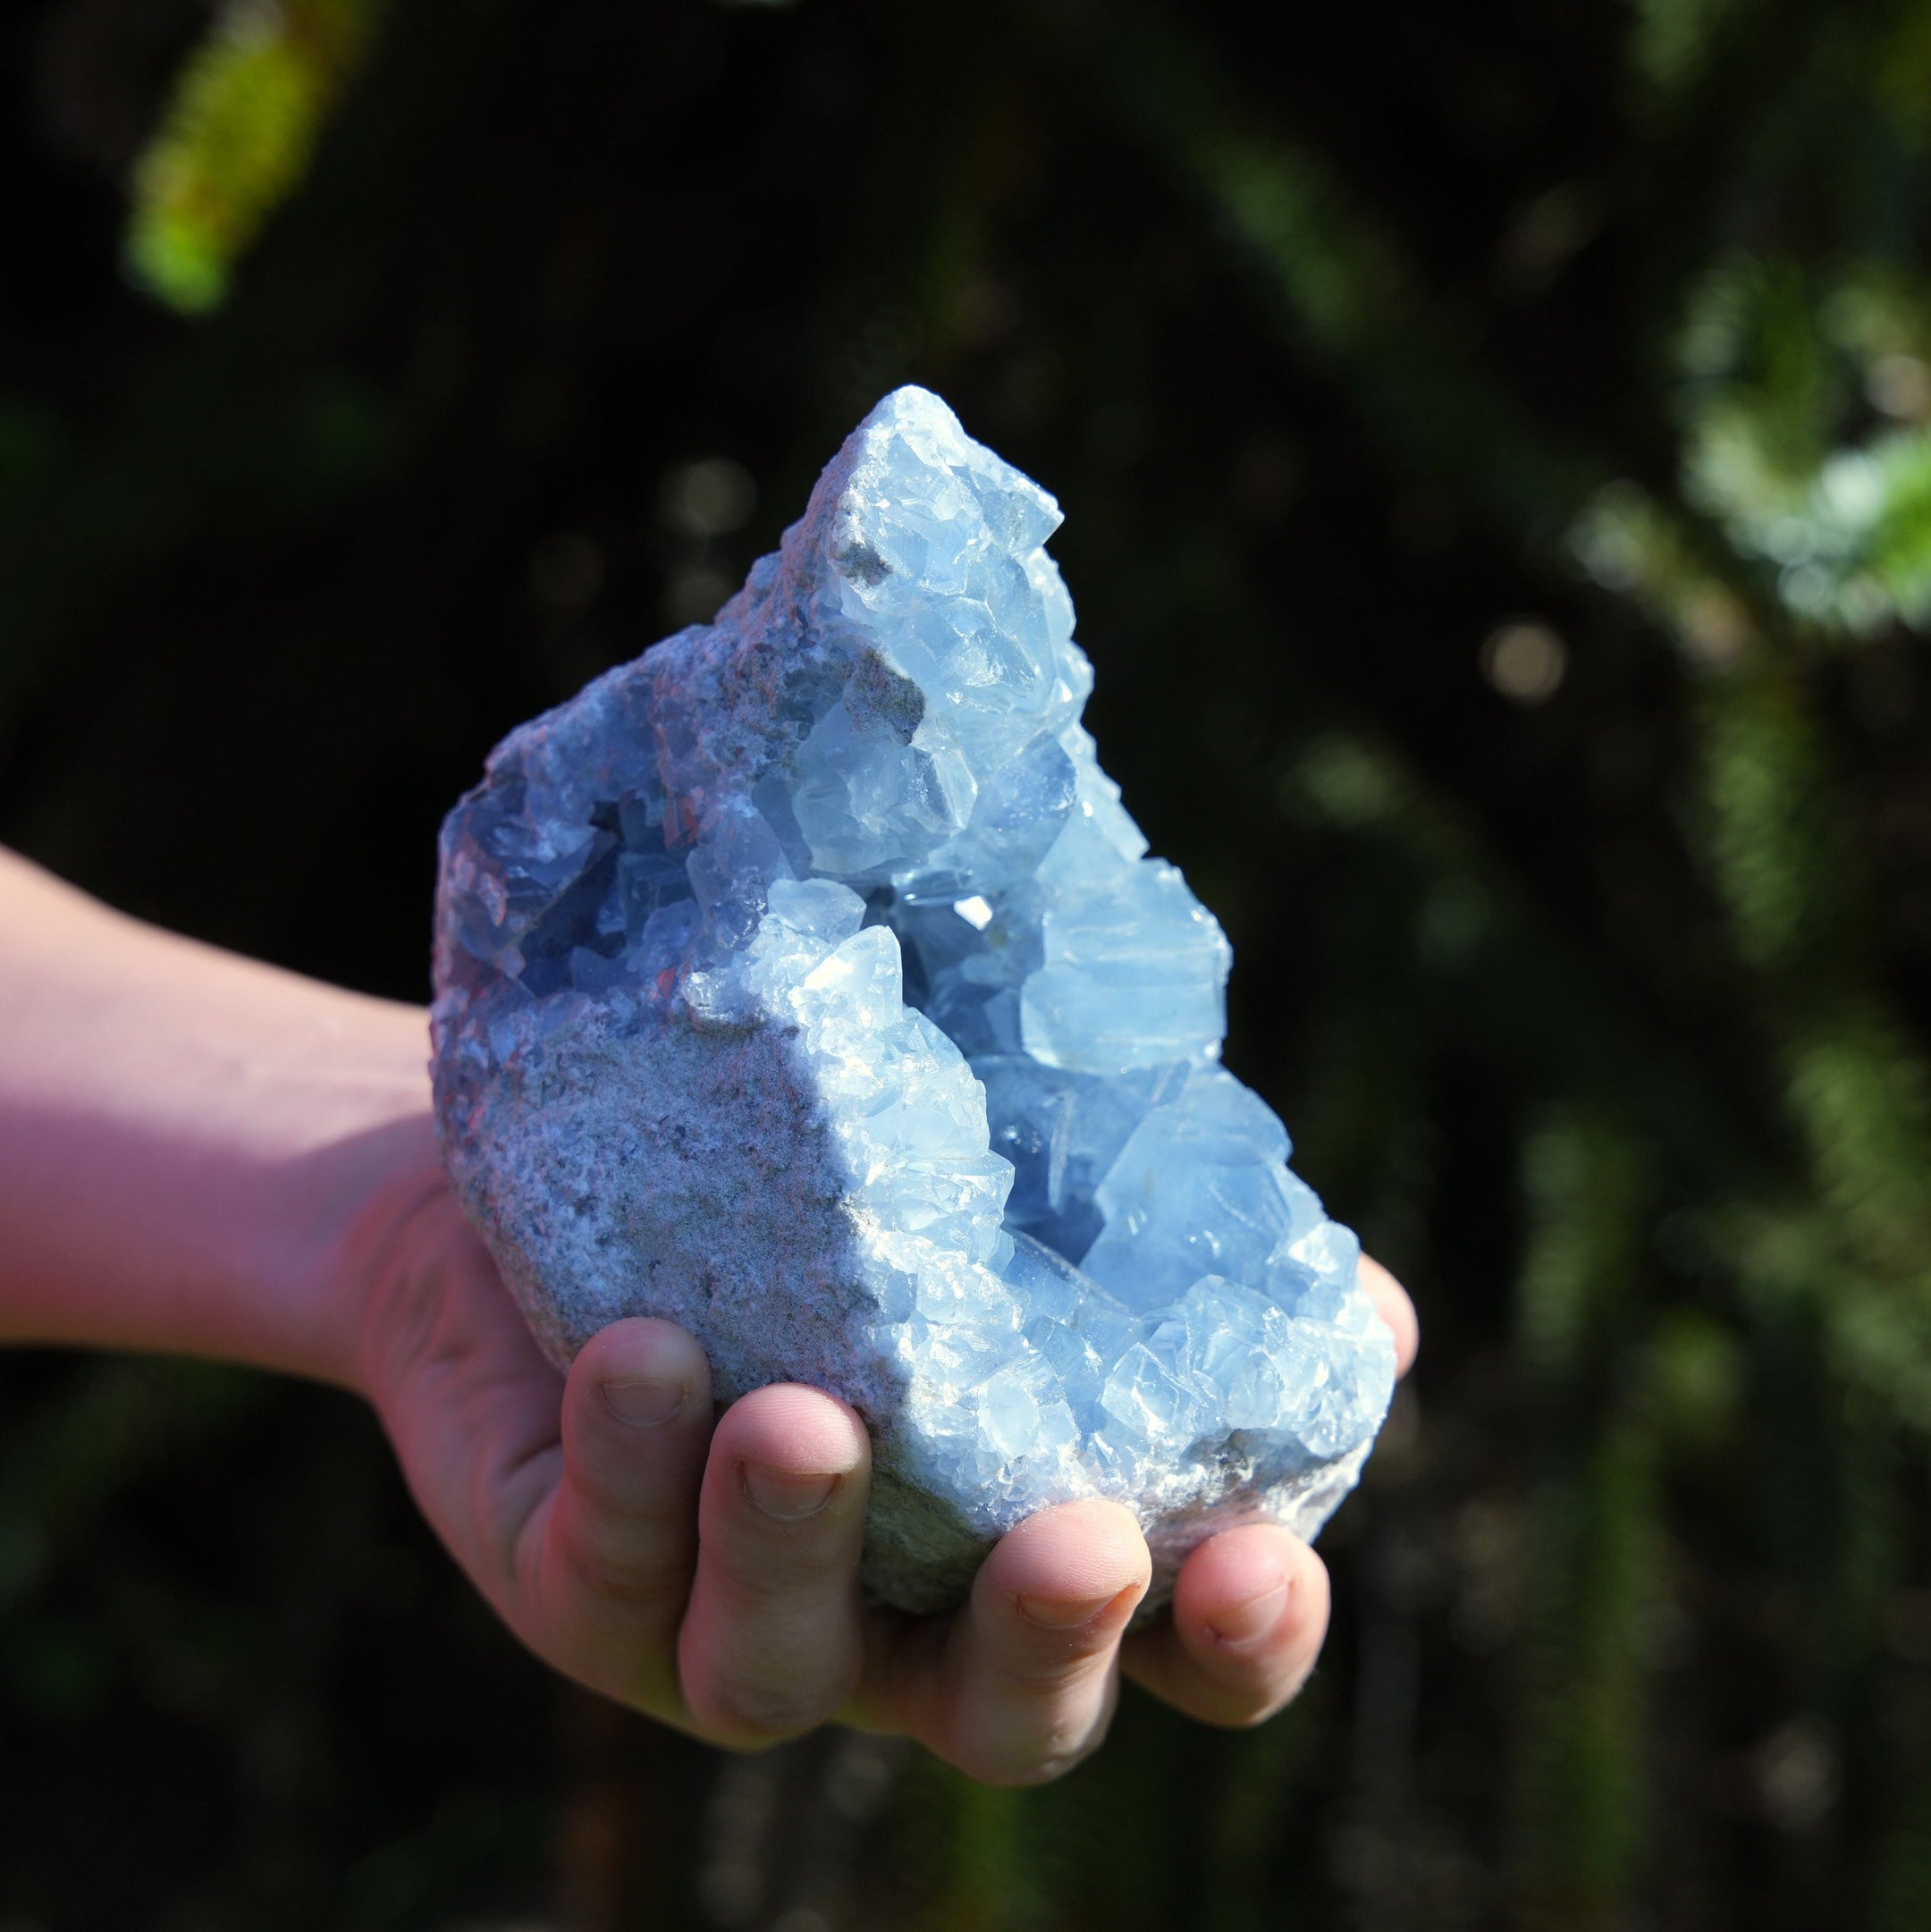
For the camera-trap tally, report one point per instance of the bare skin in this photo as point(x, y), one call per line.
point(202, 1155)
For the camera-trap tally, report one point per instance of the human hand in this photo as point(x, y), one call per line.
point(202, 1155)
point(706, 1571)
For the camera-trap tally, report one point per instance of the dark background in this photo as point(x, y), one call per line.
point(1499, 511)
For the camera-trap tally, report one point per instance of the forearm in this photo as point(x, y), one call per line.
point(186, 1137)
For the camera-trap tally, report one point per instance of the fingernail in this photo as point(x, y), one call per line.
point(790, 1498)
point(1242, 1624)
point(645, 1402)
point(1061, 1612)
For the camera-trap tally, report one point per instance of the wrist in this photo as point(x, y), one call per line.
point(343, 1204)
point(187, 1138)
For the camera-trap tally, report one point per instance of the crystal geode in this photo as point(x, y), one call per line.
point(803, 982)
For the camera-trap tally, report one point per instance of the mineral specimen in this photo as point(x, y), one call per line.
point(803, 982)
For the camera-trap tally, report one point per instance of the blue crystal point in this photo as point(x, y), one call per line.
point(805, 981)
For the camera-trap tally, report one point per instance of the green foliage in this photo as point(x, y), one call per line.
point(237, 139)
point(1579, 1823)
point(1801, 408)
point(1671, 42)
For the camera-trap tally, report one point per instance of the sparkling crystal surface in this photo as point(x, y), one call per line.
point(805, 981)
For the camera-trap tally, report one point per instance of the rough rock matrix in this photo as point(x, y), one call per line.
point(803, 982)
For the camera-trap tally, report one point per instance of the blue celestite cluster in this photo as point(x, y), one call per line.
point(804, 982)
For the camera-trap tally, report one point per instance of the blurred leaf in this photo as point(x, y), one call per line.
point(236, 139)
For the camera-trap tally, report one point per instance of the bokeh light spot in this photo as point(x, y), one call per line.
point(1526, 663)
point(709, 498)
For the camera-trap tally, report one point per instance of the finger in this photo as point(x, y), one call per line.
point(772, 1643)
point(473, 1406)
point(1249, 1610)
point(1025, 1681)
point(1393, 1305)
point(619, 1542)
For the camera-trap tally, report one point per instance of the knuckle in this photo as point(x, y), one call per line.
point(760, 1682)
point(622, 1573)
point(1243, 1712)
point(1049, 1662)
point(1044, 1765)
point(630, 1585)
point(1245, 1717)
point(634, 1498)
point(755, 1715)
point(1049, 1742)
point(784, 1570)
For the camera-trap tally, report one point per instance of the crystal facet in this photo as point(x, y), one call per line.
point(804, 982)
